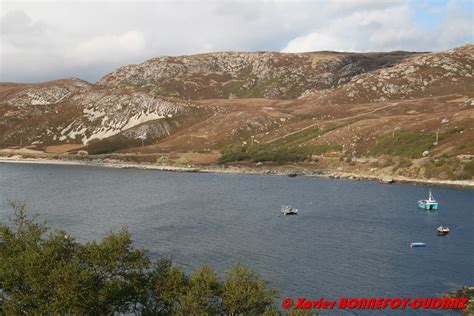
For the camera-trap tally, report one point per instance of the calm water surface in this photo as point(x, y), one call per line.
point(350, 239)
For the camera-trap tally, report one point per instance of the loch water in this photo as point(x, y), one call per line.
point(351, 238)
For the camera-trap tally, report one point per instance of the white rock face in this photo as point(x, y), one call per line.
point(48, 94)
point(73, 111)
point(106, 115)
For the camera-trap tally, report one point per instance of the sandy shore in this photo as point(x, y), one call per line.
point(246, 170)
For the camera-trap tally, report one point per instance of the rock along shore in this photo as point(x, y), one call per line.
point(278, 171)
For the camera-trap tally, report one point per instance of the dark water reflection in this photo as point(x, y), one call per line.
point(350, 239)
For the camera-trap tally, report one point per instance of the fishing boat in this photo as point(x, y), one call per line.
point(429, 204)
point(288, 210)
point(442, 230)
point(417, 244)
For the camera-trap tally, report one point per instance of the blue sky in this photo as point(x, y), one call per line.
point(49, 40)
point(425, 17)
point(430, 13)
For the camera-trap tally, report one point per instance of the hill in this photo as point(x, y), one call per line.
point(397, 113)
point(246, 75)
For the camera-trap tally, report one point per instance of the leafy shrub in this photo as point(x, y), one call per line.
point(405, 143)
point(403, 162)
point(238, 299)
point(264, 152)
point(455, 130)
point(324, 148)
point(53, 274)
point(468, 170)
point(271, 152)
point(466, 147)
point(111, 144)
point(444, 168)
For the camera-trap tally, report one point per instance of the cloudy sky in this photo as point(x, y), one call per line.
point(60, 39)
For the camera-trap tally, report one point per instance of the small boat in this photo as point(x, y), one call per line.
point(288, 210)
point(417, 244)
point(442, 230)
point(429, 204)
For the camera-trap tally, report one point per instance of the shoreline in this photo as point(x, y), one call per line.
point(461, 184)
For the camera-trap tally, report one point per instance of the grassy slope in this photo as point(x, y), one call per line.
point(327, 123)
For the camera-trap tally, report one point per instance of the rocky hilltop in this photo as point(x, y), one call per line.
point(247, 75)
point(417, 75)
point(53, 92)
point(397, 113)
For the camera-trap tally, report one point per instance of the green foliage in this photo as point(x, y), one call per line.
point(56, 274)
point(264, 152)
point(245, 292)
point(455, 130)
point(403, 162)
point(405, 144)
point(44, 272)
point(111, 144)
point(446, 169)
point(118, 270)
point(468, 170)
point(167, 89)
point(260, 88)
point(271, 152)
point(31, 267)
point(301, 312)
point(467, 292)
point(300, 136)
point(203, 293)
point(288, 149)
point(324, 148)
point(466, 147)
point(234, 153)
point(166, 285)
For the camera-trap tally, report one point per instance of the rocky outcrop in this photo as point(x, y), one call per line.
point(107, 114)
point(417, 76)
point(466, 292)
point(246, 75)
point(45, 94)
point(77, 112)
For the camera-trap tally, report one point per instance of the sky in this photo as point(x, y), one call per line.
point(42, 41)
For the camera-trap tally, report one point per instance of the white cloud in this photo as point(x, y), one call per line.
point(49, 40)
point(374, 29)
point(382, 29)
point(317, 41)
point(107, 48)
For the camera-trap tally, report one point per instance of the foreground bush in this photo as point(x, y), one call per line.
point(43, 272)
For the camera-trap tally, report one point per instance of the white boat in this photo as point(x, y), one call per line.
point(417, 244)
point(288, 210)
point(429, 204)
point(442, 230)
